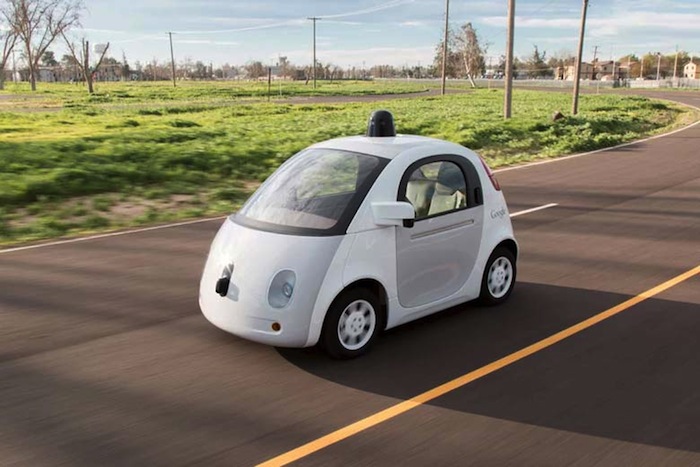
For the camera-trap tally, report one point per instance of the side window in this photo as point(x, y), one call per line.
point(435, 188)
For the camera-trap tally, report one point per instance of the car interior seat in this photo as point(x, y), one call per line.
point(419, 192)
point(449, 191)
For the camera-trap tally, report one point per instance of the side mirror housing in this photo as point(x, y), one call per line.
point(392, 212)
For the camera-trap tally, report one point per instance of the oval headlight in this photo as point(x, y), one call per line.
point(281, 289)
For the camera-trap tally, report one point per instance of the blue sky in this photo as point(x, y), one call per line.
point(396, 32)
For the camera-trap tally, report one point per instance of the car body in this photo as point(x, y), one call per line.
point(355, 235)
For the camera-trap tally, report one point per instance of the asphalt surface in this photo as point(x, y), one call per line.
point(106, 360)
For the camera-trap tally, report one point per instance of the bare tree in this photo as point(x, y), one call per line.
point(453, 56)
point(37, 23)
point(255, 70)
point(285, 66)
point(82, 60)
point(8, 38)
point(336, 72)
point(536, 64)
point(471, 50)
point(125, 69)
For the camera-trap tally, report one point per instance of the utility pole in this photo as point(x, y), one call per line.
point(595, 61)
point(675, 65)
point(444, 46)
point(14, 67)
point(658, 66)
point(172, 58)
point(579, 59)
point(314, 19)
point(269, 83)
point(508, 99)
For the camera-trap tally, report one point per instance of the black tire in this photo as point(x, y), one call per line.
point(362, 317)
point(499, 277)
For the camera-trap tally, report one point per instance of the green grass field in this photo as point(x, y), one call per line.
point(85, 164)
point(126, 94)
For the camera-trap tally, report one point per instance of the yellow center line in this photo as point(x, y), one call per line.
point(405, 406)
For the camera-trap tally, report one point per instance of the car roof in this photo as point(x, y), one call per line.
point(387, 147)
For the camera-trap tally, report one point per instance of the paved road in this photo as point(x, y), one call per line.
point(105, 359)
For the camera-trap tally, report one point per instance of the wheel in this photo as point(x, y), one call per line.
point(499, 277)
point(352, 324)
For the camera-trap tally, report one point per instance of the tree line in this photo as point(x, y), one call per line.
point(466, 58)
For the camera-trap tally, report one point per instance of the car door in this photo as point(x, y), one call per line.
point(437, 251)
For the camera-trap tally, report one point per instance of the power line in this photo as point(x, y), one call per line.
point(247, 28)
point(299, 21)
point(503, 32)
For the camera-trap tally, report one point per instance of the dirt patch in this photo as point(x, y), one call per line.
point(127, 210)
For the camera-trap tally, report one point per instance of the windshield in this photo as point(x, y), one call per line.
point(316, 190)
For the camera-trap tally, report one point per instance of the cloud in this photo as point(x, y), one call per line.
point(207, 42)
point(413, 24)
point(372, 9)
point(608, 26)
point(335, 21)
point(231, 21)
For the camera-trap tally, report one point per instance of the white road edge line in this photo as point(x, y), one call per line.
point(538, 208)
point(112, 234)
point(524, 166)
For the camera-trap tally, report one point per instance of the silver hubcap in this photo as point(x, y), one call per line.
point(356, 324)
point(500, 277)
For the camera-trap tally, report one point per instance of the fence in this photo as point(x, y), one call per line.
point(682, 83)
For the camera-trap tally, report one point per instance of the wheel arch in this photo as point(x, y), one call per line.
point(375, 287)
point(510, 245)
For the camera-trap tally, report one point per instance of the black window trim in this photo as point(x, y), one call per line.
point(471, 177)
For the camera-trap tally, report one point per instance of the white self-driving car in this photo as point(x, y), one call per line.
point(356, 235)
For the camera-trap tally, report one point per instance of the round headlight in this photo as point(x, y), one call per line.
point(281, 288)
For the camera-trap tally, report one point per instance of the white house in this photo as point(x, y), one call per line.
point(691, 70)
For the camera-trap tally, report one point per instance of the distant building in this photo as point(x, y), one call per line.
point(624, 69)
point(109, 72)
point(691, 70)
point(48, 74)
point(598, 70)
point(568, 73)
point(607, 70)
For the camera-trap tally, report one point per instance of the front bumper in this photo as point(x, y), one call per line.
point(253, 258)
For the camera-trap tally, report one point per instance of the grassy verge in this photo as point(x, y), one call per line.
point(89, 168)
point(126, 94)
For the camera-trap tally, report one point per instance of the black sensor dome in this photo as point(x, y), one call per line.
point(381, 124)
